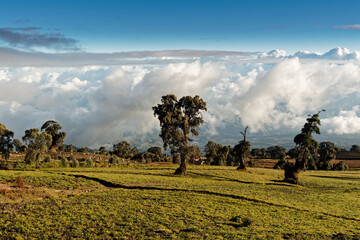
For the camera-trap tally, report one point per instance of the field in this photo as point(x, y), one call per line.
point(137, 201)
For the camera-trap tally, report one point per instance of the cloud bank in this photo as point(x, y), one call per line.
point(100, 104)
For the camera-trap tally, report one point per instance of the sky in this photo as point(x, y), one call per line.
point(97, 67)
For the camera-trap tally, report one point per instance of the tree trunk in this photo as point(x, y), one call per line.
point(182, 168)
point(292, 174)
point(242, 166)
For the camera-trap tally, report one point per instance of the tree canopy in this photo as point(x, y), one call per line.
point(6, 141)
point(52, 128)
point(178, 119)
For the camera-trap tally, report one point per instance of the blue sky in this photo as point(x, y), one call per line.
point(243, 25)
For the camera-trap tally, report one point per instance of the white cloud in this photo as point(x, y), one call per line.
point(101, 105)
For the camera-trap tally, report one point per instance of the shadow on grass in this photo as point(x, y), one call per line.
point(122, 186)
point(220, 178)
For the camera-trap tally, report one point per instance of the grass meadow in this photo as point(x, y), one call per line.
point(143, 201)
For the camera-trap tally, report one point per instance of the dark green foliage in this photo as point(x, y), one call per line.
point(75, 163)
point(83, 150)
point(259, 153)
point(63, 162)
point(123, 149)
point(103, 150)
point(69, 148)
point(281, 164)
point(276, 152)
point(355, 148)
point(89, 162)
point(52, 128)
point(37, 143)
point(47, 159)
point(240, 151)
point(6, 141)
point(306, 148)
point(179, 118)
point(341, 166)
point(114, 160)
point(216, 154)
point(327, 152)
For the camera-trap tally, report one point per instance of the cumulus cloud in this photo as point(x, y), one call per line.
point(28, 37)
point(277, 53)
point(99, 105)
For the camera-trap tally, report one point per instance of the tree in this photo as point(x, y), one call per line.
point(124, 150)
point(276, 152)
point(179, 118)
point(19, 147)
point(37, 143)
point(102, 150)
point(305, 148)
point(52, 128)
point(216, 154)
point(241, 150)
point(6, 141)
point(355, 148)
point(327, 151)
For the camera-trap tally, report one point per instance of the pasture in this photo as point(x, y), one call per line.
point(142, 201)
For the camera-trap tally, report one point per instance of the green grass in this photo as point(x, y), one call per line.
point(149, 202)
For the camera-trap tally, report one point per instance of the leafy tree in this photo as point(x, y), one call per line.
point(216, 154)
point(241, 150)
point(276, 152)
point(327, 151)
point(102, 150)
point(157, 154)
point(83, 150)
point(179, 118)
point(124, 150)
point(69, 148)
point(52, 128)
point(19, 147)
point(6, 141)
point(194, 152)
point(37, 143)
point(355, 148)
point(306, 147)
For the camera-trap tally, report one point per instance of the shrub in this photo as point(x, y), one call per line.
point(341, 166)
point(47, 159)
point(75, 163)
point(31, 156)
point(280, 164)
point(89, 162)
point(114, 160)
point(251, 163)
point(63, 162)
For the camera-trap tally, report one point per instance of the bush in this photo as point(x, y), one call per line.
point(341, 166)
point(31, 156)
point(89, 162)
point(47, 159)
point(63, 162)
point(280, 164)
point(75, 163)
point(251, 163)
point(114, 160)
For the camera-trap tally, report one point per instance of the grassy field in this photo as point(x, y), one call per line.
point(148, 202)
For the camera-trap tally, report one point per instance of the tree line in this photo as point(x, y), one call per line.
point(179, 122)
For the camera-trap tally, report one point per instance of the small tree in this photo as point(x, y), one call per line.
point(123, 149)
point(6, 141)
point(216, 154)
point(355, 148)
point(177, 120)
point(37, 143)
point(306, 147)
point(241, 150)
point(327, 151)
point(52, 128)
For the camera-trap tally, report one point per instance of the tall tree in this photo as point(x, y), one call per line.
point(52, 127)
point(179, 118)
point(305, 148)
point(6, 141)
point(123, 149)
